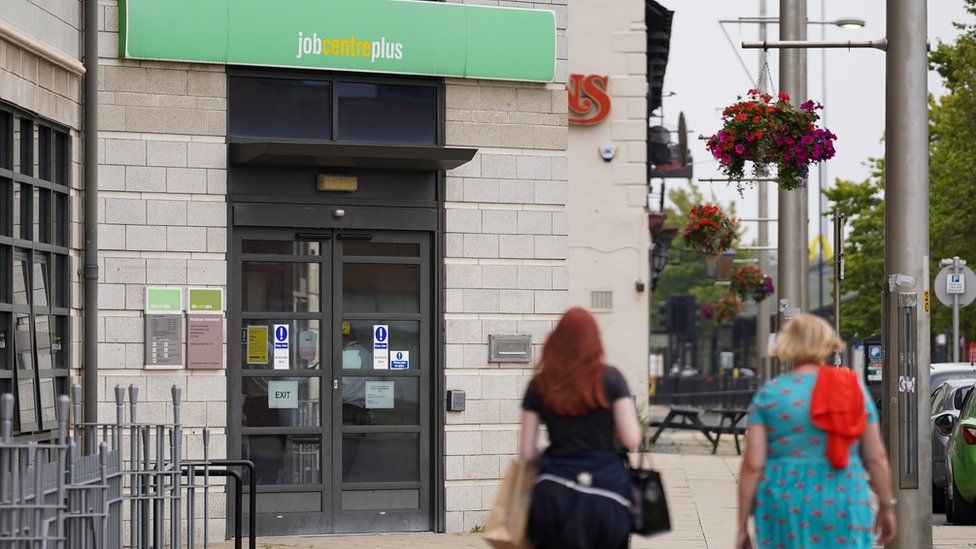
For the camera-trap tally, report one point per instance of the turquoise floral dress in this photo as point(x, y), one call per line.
point(802, 501)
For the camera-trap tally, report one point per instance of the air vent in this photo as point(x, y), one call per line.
point(601, 300)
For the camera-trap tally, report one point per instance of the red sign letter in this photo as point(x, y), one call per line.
point(589, 102)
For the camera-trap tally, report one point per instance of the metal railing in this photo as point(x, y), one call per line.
point(53, 495)
point(705, 392)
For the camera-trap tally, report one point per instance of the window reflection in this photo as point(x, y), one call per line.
point(380, 288)
point(280, 402)
point(281, 287)
point(284, 459)
point(368, 457)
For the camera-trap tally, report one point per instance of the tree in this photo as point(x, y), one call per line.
point(952, 165)
point(952, 181)
point(862, 205)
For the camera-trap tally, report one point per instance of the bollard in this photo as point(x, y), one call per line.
point(6, 416)
point(134, 484)
point(177, 452)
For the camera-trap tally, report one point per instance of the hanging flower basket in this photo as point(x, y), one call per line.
point(722, 311)
point(708, 230)
point(749, 282)
point(719, 266)
point(771, 134)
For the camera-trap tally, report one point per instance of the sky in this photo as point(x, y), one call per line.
point(705, 75)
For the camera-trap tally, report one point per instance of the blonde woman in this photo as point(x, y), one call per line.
point(813, 444)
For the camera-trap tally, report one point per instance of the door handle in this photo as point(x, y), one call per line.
point(313, 236)
point(335, 384)
point(360, 237)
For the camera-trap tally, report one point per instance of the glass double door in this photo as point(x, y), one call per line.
point(329, 388)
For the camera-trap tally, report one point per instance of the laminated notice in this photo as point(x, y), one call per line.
point(257, 344)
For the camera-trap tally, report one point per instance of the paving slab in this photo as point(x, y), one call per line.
point(702, 499)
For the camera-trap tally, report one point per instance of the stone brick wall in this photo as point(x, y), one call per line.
point(609, 239)
point(505, 260)
point(162, 222)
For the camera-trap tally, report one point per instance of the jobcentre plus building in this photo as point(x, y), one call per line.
point(340, 226)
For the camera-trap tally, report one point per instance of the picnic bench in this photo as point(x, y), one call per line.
point(690, 418)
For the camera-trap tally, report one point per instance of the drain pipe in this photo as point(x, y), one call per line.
point(90, 125)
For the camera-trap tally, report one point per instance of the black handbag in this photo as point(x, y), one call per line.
point(648, 504)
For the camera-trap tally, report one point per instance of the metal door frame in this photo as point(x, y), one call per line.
point(249, 216)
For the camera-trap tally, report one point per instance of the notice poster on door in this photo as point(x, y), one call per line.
point(257, 344)
point(379, 395)
point(204, 341)
point(283, 394)
point(381, 347)
point(282, 347)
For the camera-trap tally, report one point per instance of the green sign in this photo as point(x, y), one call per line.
point(206, 300)
point(164, 300)
point(385, 36)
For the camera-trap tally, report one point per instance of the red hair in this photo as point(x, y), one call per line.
point(570, 378)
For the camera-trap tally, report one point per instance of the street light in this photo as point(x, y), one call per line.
point(850, 24)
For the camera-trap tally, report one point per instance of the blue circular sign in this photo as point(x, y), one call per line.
point(281, 334)
point(380, 334)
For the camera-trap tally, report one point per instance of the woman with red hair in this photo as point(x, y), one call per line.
point(581, 496)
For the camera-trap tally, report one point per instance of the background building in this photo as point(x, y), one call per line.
point(609, 259)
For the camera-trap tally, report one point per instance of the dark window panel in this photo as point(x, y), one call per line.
point(43, 156)
point(367, 457)
point(380, 249)
point(6, 140)
point(285, 108)
point(42, 221)
point(255, 409)
point(62, 158)
point(380, 288)
point(284, 459)
point(387, 113)
point(6, 206)
point(26, 147)
point(61, 219)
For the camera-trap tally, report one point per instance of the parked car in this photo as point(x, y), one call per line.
point(960, 492)
point(942, 371)
point(947, 398)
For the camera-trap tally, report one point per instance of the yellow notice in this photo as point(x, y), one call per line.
point(257, 344)
point(926, 301)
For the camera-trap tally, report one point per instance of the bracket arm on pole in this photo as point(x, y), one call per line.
point(879, 44)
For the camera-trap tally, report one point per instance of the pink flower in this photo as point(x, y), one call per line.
point(740, 148)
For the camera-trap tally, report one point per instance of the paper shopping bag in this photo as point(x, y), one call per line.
point(509, 518)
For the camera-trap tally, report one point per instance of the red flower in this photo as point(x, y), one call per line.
point(784, 96)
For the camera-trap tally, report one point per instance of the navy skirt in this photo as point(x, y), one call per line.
point(580, 501)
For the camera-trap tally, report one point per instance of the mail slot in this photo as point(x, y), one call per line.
point(514, 348)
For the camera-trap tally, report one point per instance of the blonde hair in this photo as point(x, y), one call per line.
point(807, 339)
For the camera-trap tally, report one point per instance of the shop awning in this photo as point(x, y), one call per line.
point(271, 153)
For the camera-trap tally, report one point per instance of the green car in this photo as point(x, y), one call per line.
point(960, 492)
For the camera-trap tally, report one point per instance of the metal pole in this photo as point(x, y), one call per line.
point(797, 97)
point(838, 266)
point(762, 308)
point(791, 246)
point(822, 172)
point(956, 269)
point(907, 253)
point(90, 314)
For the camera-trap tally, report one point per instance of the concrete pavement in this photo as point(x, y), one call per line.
point(701, 491)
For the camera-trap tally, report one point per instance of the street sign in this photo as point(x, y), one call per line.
point(964, 286)
point(956, 283)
